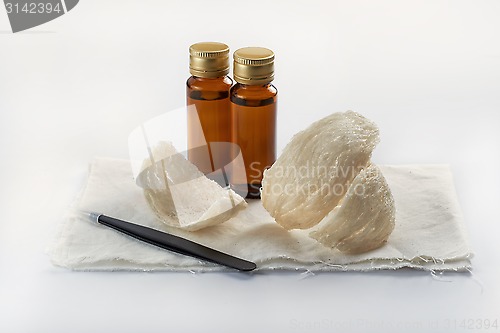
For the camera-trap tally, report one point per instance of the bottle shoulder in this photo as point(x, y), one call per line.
point(256, 95)
point(244, 91)
point(203, 89)
point(223, 83)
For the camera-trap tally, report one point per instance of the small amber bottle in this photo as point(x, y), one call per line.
point(253, 117)
point(208, 91)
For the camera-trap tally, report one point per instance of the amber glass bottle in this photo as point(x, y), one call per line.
point(253, 117)
point(208, 90)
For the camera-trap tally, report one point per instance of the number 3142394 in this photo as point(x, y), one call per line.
point(473, 324)
point(33, 8)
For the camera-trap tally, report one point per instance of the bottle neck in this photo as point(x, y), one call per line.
point(254, 86)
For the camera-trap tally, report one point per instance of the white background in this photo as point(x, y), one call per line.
point(428, 72)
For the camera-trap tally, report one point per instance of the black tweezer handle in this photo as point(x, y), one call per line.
point(175, 243)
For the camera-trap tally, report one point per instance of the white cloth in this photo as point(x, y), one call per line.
point(429, 231)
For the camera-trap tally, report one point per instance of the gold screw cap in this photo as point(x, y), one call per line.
point(209, 59)
point(253, 65)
